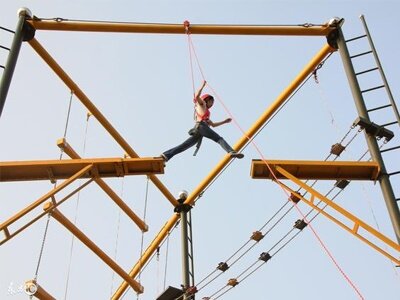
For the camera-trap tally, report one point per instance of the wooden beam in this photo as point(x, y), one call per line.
point(88, 26)
point(61, 169)
point(35, 290)
point(56, 214)
point(325, 170)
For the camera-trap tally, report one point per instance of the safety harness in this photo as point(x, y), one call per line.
point(195, 130)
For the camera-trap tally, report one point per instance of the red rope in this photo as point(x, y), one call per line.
point(330, 255)
point(190, 45)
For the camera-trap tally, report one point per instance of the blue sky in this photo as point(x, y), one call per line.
point(142, 84)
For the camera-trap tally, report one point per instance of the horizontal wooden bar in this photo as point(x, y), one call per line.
point(67, 25)
point(325, 170)
point(60, 169)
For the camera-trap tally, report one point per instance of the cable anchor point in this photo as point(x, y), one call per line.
point(186, 23)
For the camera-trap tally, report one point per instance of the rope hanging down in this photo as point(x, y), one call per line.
point(117, 237)
point(78, 197)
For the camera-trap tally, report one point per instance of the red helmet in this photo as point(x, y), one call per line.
point(206, 96)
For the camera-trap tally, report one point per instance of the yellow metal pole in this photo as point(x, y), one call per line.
point(9, 236)
point(49, 207)
point(147, 254)
point(62, 143)
point(308, 69)
point(295, 30)
point(45, 197)
point(96, 113)
point(32, 288)
point(357, 222)
point(250, 133)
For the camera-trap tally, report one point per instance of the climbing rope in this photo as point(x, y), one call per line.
point(187, 31)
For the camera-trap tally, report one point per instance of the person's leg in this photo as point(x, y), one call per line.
point(207, 132)
point(190, 142)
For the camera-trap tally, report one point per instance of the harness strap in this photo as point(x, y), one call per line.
point(194, 131)
point(198, 146)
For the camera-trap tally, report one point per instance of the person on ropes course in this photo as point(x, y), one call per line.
point(203, 103)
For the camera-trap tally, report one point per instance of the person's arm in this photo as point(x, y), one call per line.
point(197, 97)
point(216, 124)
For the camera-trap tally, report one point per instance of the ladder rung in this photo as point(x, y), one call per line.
point(390, 149)
point(5, 48)
point(388, 124)
point(372, 89)
point(394, 173)
point(361, 54)
point(6, 29)
point(379, 107)
point(398, 199)
point(367, 71)
point(2, 67)
point(356, 38)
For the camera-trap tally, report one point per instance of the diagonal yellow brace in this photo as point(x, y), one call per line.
point(96, 113)
point(62, 143)
point(308, 69)
point(32, 288)
point(9, 235)
point(49, 207)
point(26, 210)
point(357, 223)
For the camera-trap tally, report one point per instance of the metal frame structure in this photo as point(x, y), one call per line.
point(283, 170)
point(329, 30)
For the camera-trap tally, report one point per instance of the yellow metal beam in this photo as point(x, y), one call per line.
point(295, 30)
point(309, 68)
point(56, 214)
point(328, 170)
point(9, 236)
point(62, 143)
point(355, 223)
point(60, 169)
point(96, 113)
point(4, 226)
point(35, 290)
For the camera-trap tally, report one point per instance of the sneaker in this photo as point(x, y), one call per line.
point(235, 154)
